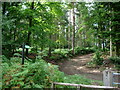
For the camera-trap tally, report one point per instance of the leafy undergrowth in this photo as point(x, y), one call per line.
point(116, 61)
point(36, 75)
point(62, 54)
point(57, 55)
point(103, 59)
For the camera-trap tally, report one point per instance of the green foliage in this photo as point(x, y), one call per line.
point(37, 23)
point(36, 75)
point(48, 25)
point(4, 59)
point(77, 79)
point(66, 53)
point(44, 52)
point(60, 54)
point(56, 57)
point(91, 64)
point(63, 52)
point(97, 58)
point(116, 61)
point(81, 51)
point(17, 55)
point(15, 60)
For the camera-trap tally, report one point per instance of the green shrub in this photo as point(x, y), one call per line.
point(5, 59)
point(115, 60)
point(53, 57)
point(56, 57)
point(77, 79)
point(11, 60)
point(77, 50)
point(97, 58)
point(36, 75)
point(31, 75)
point(82, 51)
point(44, 52)
point(61, 53)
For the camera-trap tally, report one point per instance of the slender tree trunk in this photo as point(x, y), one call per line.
point(67, 37)
point(0, 34)
point(99, 37)
point(110, 41)
point(110, 29)
point(84, 43)
point(49, 52)
point(103, 45)
point(69, 31)
point(2, 12)
point(59, 38)
point(56, 37)
point(4, 8)
point(118, 48)
point(79, 44)
point(29, 32)
point(73, 32)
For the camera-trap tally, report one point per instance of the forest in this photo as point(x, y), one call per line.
point(39, 38)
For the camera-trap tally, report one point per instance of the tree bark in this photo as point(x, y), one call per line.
point(29, 32)
point(118, 49)
point(69, 31)
point(73, 32)
point(0, 31)
point(4, 8)
point(110, 29)
point(49, 52)
point(110, 42)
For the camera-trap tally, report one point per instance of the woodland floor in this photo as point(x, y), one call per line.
point(77, 65)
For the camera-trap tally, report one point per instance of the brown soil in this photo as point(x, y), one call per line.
point(78, 65)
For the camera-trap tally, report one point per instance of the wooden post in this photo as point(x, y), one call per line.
point(53, 86)
point(108, 78)
point(119, 81)
point(23, 55)
point(78, 87)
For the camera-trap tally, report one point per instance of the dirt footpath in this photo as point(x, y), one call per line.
point(77, 65)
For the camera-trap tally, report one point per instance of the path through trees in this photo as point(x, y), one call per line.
point(77, 65)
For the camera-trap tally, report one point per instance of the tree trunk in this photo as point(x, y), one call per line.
point(99, 37)
point(67, 38)
point(29, 32)
point(4, 8)
point(49, 52)
point(103, 45)
point(110, 42)
point(118, 49)
point(110, 29)
point(69, 31)
point(0, 31)
point(73, 32)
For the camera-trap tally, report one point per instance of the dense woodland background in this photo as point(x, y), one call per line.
point(55, 31)
point(60, 25)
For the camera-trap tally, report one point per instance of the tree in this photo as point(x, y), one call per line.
point(73, 29)
point(30, 26)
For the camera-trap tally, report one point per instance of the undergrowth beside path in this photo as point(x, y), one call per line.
point(36, 75)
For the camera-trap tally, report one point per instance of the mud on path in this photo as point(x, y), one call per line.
point(77, 65)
